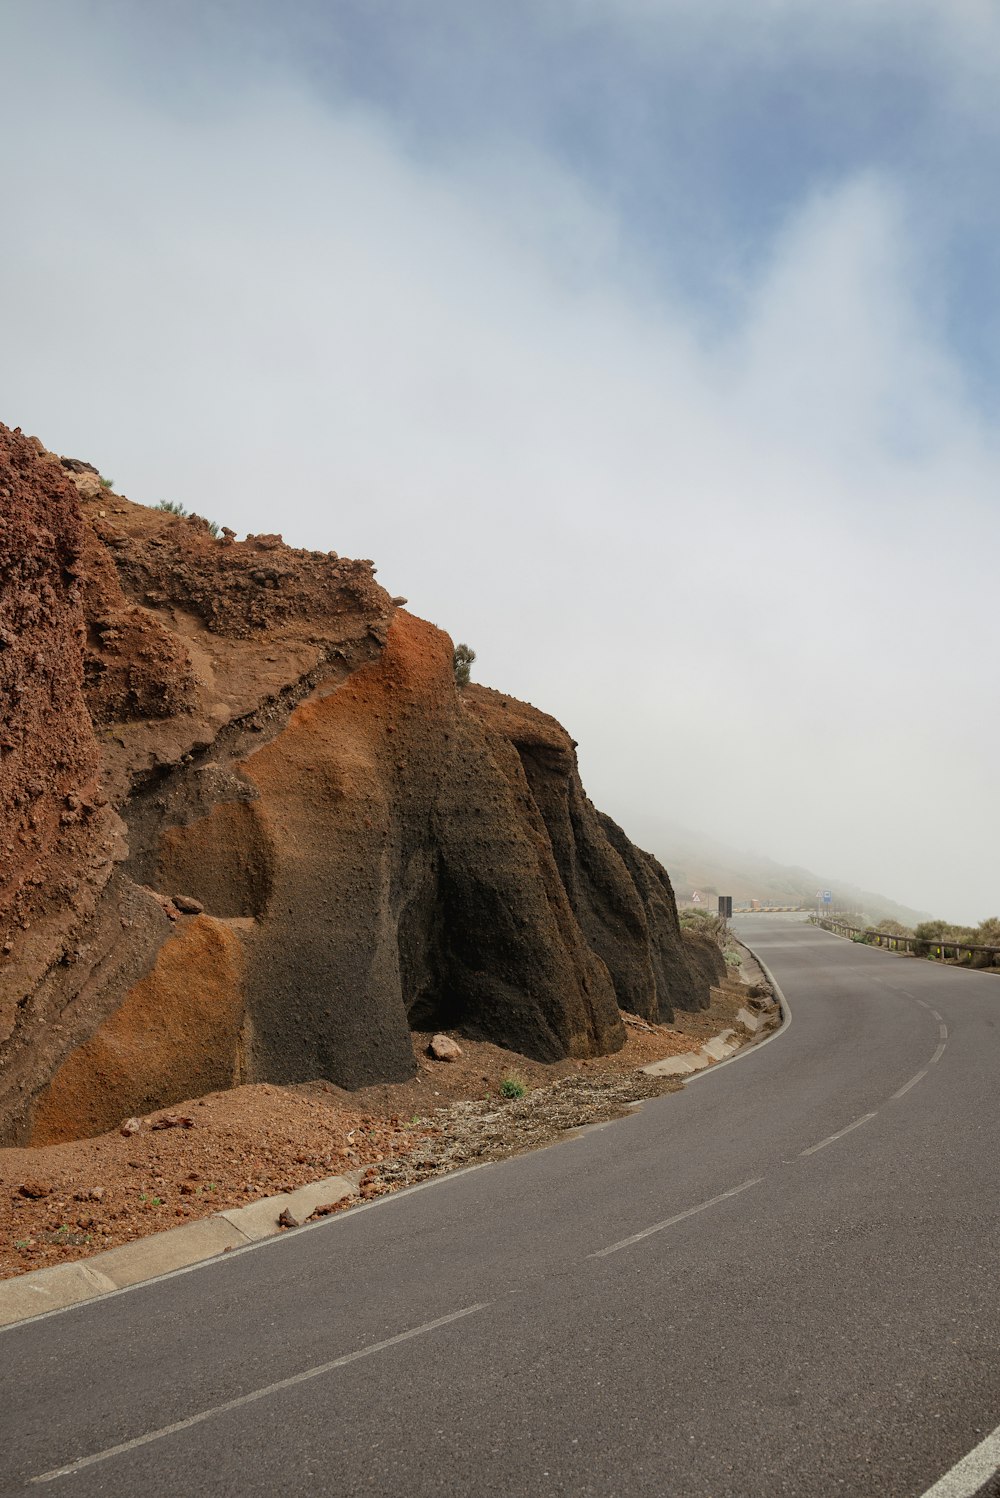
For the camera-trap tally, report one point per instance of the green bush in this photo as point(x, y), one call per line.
point(461, 661)
point(697, 918)
point(988, 932)
point(512, 1087)
point(171, 507)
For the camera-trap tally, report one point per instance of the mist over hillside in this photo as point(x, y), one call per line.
point(701, 863)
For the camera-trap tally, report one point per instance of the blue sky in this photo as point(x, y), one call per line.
point(699, 125)
point(649, 346)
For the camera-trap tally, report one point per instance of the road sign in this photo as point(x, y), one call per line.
point(696, 898)
point(828, 897)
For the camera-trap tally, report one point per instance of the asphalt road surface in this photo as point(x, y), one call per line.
point(784, 1279)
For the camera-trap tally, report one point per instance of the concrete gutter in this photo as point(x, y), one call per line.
point(60, 1285)
point(724, 1046)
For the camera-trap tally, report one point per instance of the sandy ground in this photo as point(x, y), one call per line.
point(65, 1201)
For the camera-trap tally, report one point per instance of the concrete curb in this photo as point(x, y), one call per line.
point(783, 1005)
point(721, 1048)
point(44, 1290)
point(716, 1049)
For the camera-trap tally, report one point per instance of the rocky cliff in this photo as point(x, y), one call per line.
point(250, 829)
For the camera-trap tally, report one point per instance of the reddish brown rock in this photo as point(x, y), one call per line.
point(362, 848)
point(443, 1048)
point(34, 1190)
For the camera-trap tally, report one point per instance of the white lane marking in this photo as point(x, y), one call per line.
point(839, 1135)
point(658, 1227)
point(923, 1004)
point(911, 1083)
point(943, 1030)
point(244, 1399)
point(938, 1016)
point(969, 1475)
point(942, 1045)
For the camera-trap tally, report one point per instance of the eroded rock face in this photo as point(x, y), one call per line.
point(621, 897)
point(49, 756)
point(410, 868)
point(358, 847)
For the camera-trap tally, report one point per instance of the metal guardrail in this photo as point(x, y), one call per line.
point(938, 948)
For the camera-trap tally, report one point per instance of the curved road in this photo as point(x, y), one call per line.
point(784, 1279)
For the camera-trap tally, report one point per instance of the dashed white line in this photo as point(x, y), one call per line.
point(244, 1399)
point(668, 1222)
point(972, 1472)
point(839, 1134)
point(911, 1083)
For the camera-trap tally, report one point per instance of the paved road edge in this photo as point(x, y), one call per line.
point(43, 1292)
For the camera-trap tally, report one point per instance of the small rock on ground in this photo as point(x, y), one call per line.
point(443, 1048)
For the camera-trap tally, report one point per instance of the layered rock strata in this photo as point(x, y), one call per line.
point(361, 848)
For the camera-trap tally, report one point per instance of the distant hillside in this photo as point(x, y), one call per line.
point(701, 863)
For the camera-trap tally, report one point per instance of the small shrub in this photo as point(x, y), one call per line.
point(893, 928)
point(462, 663)
point(512, 1087)
point(697, 918)
point(988, 932)
point(171, 507)
point(107, 483)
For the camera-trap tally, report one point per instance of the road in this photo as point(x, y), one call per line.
point(784, 1279)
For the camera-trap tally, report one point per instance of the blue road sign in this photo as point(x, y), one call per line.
point(828, 897)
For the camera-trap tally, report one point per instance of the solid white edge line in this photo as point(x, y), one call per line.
point(968, 1476)
point(669, 1222)
point(255, 1394)
point(831, 1138)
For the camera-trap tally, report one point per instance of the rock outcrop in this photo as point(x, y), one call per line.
point(356, 847)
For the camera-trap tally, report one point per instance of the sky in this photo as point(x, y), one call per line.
point(651, 347)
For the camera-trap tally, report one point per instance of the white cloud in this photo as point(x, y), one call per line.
point(752, 576)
